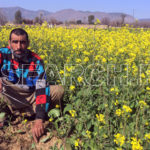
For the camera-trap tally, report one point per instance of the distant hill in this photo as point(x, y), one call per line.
point(9, 12)
point(64, 15)
point(145, 20)
point(73, 15)
point(117, 16)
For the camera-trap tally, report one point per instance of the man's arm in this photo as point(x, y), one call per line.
point(0, 71)
point(42, 100)
point(0, 85)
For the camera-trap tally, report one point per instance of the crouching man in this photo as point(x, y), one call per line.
point(23, 82)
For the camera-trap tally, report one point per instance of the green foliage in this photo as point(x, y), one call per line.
point(2, 115)
point(18, 17)
point(91, 19)
point(54, 113)
point(3, 19)
point(79, 21)
point(109, 108)
point(98, 133)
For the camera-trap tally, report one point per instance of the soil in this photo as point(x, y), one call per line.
point(17, 136)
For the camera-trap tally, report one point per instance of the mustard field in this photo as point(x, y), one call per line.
point(106, 76)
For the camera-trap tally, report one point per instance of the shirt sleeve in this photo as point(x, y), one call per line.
point(1, 62)
point(42, 91)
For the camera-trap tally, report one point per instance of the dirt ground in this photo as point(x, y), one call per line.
point(17, 136)
point(72, 26)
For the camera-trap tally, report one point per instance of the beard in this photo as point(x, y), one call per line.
point(21, 55)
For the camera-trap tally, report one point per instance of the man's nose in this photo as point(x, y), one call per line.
point(18, 45)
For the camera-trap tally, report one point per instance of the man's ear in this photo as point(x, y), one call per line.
point(9, 43)
point(28, 44)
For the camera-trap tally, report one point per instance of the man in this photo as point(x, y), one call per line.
point(23, 82)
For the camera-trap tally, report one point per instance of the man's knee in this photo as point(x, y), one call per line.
point(56, 93)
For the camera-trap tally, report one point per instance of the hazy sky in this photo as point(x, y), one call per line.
point(137, 8)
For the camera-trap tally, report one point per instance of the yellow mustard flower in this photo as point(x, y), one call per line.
point(142, 104)
point(147, 137)
point(72, 113)
point(57, 106)
point(119, 139)
point(51, 119)
point(72, 87)
point(76, 142)
point(118, 112)
point(100, 118)
point(80, 79)
point(127, 108)
point(136, 144)
point(88, 134)
point(25, 121)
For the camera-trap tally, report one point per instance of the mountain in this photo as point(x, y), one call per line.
point(118, 16)
point(145, 20)
point(73, 15)
point(64, 15)
point(9, 13)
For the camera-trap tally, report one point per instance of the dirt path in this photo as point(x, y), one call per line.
point(17, 136)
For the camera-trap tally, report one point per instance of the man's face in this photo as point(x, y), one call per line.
point(18, 43)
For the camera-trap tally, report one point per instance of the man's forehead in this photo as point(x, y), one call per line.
point(14, 36)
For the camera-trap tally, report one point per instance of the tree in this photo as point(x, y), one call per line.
point(91, 19)
point(36, 20)
point(53, 21)
point(39, 19)
point(123, 19)
point(79, 21)
point(18, 17)
point(72, 22)
point(3, 19)
point(105, 21)
point(27, 21)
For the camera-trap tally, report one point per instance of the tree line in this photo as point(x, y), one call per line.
point(18, 19)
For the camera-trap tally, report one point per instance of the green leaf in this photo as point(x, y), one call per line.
point(79, 126)
point(2, 115)
point(67, 108)
point(68, 147)
point(62, 147)
point(33, 146)
point(60, 119)
point(54, 113)
point(46, 139)
point(87, 92)
point(83, 133)
point(20, 132)
point(89, 124)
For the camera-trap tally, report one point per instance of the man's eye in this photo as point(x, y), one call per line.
point(21, 42)
point(15, 42)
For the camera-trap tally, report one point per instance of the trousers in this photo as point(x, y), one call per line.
point(20, 100)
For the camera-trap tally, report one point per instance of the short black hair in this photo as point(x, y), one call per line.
point(19, 31)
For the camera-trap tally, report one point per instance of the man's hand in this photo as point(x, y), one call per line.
point(37, 129)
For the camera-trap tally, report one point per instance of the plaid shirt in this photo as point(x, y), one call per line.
point(30, 75)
